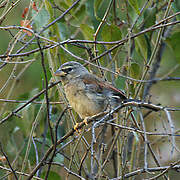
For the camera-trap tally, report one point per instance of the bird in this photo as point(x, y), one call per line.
point(88, 94)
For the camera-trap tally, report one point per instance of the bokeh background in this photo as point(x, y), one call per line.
point(22, 76)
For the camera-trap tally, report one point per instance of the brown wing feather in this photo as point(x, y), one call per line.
point(99, 86)
point(115, 90)
point(92, 80)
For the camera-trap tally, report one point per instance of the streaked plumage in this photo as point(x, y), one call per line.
point(86, 93)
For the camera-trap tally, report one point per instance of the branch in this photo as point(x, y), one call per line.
point(155, 169)
point(30, 101)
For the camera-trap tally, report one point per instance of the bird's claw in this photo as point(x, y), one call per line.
point(85, 121)
point(76, 127)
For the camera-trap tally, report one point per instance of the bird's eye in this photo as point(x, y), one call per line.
point(67, 70)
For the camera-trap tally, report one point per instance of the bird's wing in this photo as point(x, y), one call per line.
point(99, 85)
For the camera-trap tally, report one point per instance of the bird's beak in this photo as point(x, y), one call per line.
point(60, 73)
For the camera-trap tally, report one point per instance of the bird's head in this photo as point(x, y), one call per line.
point(70, 70)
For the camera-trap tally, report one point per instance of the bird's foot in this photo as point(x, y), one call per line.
point(76, 127)
point(85, 121)
point(77, 124)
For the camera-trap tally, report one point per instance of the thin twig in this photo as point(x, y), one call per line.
point(18, 172)
point(140, 171)
point(7, 159)
point(30, 101)
point(46, 92)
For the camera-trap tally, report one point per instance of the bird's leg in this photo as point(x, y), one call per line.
point(86, 120)
point(77, 124)
point(76, 127)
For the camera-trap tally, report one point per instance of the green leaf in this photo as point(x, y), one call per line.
point(63, 4)
point(80, 13)
point(176, 7)
point(63, 30)
point(134, 5)
point(87, 31)
point(54, 27)
point(148, 40)
point(97, 4)
point(120, 82)
point(174, 43)
point(135, 70)
point(150, 17)
point(100, 8)
point(52, 175)
point(6, 113)
point(91, 14)
point(111, 33)
point(78, 16)
point(41, 20)
point(132, 89)
point(141, 46)
point(49, 8)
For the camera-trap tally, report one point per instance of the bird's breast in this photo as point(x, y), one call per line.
point(84, 102)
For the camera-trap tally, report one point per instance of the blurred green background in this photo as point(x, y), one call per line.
point(22, 81)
